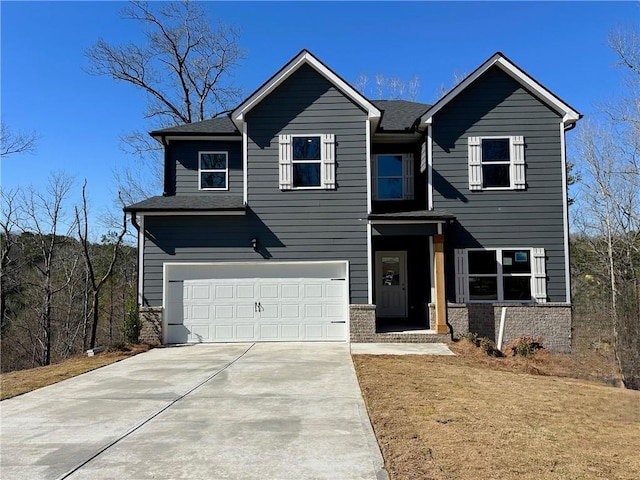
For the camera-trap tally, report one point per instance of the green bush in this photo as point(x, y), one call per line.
point(525, 346)
point(132, 326)
point(470, 337)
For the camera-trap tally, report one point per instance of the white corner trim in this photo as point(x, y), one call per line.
point(369, 265)
point(245, 164)
point(565, 212)
point(140, 259)
point(368, 160)
point(430, 167)
point(302, 58)
point(568, 113)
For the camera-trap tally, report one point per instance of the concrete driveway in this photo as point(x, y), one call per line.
point(232, 411)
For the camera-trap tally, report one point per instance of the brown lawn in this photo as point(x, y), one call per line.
point(23, 381)
point(476, 417)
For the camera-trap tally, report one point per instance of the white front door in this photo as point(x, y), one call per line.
point(391, 284)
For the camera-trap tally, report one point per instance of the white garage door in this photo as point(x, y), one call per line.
point(265, 308)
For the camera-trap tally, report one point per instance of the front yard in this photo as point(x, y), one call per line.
point(469, 417)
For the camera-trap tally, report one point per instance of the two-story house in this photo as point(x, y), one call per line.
point(311, 213)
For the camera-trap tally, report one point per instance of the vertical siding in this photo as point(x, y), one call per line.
point(497, 105)
point(296, 225)
point(183, 161)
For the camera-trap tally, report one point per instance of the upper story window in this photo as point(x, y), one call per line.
point(496, 163)
point(307, 162)
point(501, 275)
point(393, 177)
point(213, 170)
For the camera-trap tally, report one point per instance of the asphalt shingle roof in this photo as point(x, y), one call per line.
point(188, 203)
point(219, 125)
point(399, 115)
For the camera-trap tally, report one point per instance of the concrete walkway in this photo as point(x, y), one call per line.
point(234, 411)
point(400, 349)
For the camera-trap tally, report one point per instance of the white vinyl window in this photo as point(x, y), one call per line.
point(393, 177)
point(213, 170)
point(496, 163)
point(307, 162)
point(501, 275)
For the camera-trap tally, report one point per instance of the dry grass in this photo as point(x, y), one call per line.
point(475, 417)
point(23, 381)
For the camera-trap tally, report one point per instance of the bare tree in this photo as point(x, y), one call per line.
point(456, 78)
point(388, 88)
point(413, 88)
point(381, 83)
point(9, 218)
point(361, 83)
point(184, 68)
point(96, 282)
point(16, 142)
point(608, 204)
point(45, 218)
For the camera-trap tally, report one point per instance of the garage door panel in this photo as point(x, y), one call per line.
point(246, 331)
point(313, 290)
point(269, 290)
point(224, 291)
point(290, 310)
point(269, 331)
point(245, 311)
point(256, 309)
point(290, 332)
point(199, 312)
point(290, 290)
point(199, 333)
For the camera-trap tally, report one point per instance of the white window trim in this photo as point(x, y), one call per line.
point(326, 161)
point(407, 178)
point(537, 276)
point(213, 170)
point(516, 163)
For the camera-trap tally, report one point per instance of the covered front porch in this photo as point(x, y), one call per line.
point(407, 272)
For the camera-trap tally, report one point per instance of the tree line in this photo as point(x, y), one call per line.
point(60, 292)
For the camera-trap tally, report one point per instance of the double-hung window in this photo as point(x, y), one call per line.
point(500, 275)
point(307, 162)
point(213, 170)
point(496, 163)
point(393, 177)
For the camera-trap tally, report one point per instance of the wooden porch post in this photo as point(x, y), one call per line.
point(440, 300)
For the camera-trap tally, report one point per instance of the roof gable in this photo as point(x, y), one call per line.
point(569, 115)
point(304, 58)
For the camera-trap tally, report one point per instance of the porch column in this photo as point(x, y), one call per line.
point(440, 300)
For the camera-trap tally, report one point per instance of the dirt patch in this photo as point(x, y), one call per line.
point(23, 381)
point(472, 416)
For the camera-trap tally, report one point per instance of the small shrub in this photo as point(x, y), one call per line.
point(488, 346)
point(525, 346)
point(132, 326)
point(470, 337)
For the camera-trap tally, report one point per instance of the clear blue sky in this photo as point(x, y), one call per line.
point(80, 117)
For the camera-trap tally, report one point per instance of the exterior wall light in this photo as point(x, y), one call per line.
point(254, 244)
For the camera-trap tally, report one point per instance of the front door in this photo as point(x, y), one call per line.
point(391, 284)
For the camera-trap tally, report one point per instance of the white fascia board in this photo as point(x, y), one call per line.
point(304, 57)
point(568, 113)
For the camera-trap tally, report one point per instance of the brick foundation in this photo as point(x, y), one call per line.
point(151, 332)
point(363, 329)
point(551, 321)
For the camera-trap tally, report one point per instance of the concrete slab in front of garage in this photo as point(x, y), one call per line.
point(224, 411)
